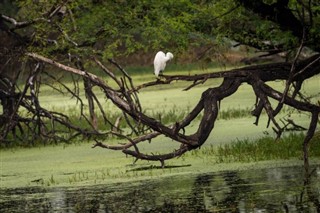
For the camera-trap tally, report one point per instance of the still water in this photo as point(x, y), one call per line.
point(263, 190)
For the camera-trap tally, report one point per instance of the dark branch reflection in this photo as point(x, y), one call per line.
point(265, 190)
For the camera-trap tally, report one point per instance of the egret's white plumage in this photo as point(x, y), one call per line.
point(160, 61)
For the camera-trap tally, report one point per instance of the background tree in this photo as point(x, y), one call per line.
point(77, 36)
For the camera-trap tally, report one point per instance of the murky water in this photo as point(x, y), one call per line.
point(266, 190)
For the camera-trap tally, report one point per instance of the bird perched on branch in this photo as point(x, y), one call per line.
point(160, 61)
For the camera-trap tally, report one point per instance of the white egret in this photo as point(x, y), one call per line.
point(160, 61)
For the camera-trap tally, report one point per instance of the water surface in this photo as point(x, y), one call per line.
point(263, 190)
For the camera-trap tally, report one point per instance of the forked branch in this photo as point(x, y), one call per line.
point(125, 97)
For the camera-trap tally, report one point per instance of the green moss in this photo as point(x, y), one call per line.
point(80, 165)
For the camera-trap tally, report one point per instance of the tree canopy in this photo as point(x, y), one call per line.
point(73, 35)
point(113, 27)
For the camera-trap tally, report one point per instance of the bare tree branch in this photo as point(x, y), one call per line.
point(126, 99)
point(21, 24)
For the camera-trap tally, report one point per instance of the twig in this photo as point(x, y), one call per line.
point(22, 24)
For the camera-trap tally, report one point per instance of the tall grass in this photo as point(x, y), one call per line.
point(232, 113)
point(265, 148)
point(169, 116)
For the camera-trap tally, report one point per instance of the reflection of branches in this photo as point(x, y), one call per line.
point(201, 191)
point(125, 97)
point(308, 189)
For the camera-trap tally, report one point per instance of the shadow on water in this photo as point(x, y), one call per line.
point(145, 168)
point(265, 190)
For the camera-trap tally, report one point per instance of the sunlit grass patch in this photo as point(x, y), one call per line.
point(262, 149)
point(266, 148)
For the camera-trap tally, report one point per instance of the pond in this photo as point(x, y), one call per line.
point(256, 190)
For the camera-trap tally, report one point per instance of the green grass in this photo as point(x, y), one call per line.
point(233, 113)
point(262, 149)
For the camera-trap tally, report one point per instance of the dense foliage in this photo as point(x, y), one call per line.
point(123, 27)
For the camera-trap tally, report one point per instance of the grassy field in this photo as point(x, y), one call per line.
point(233, 138)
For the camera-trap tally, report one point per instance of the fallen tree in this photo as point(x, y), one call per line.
point(126, 98)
